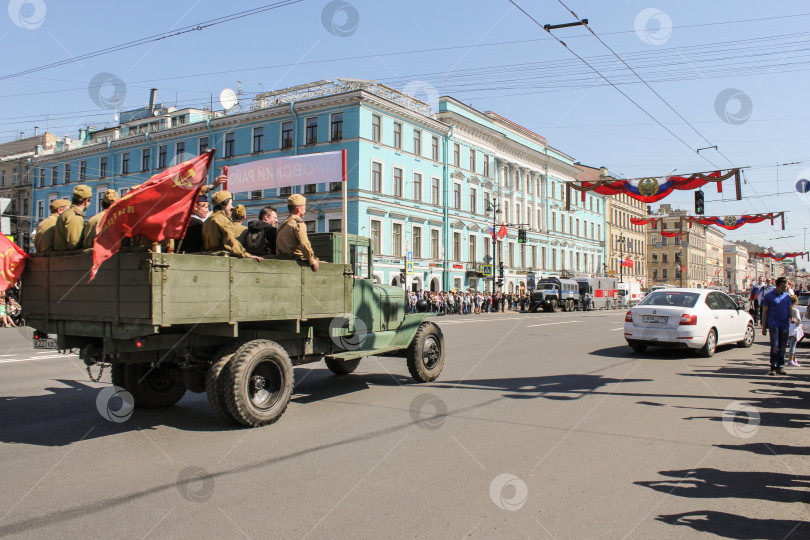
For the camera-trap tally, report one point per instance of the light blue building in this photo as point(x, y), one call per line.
point(418, 181)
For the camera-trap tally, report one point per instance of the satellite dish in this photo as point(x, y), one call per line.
point(228, 99)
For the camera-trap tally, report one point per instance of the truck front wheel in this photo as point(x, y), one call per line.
point(153, 387)
point(426, 353)
point(258, 383)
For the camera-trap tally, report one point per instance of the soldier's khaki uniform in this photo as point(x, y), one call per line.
point(44, 239)
point(90, 232)
point(218, 235)
point(292, 239)
point(69, 229)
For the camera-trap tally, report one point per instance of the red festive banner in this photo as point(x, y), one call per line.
point(652, 189)
point(734, 222)
point(774, 256)
point(12, 262)
point(159, 209)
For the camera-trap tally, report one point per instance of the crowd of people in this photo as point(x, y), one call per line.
point(469, 302)
point(10, 309)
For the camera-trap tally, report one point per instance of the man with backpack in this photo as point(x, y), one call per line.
point(260, 236)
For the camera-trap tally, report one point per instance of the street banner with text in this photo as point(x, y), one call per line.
point(287, 171)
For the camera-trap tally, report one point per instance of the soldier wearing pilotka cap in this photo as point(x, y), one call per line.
point(217, 230)
point(44, 239)
point(91, 228)
point(69, 227)
point(292, 233)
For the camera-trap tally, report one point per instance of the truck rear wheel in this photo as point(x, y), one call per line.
point(341, 367)
point(153, 387)
point(426, 353)
point(117, 375)
point(258, 383)
point(215, 379)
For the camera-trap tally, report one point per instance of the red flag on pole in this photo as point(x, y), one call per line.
point(158, 209)
point(627, 262)
point(12, 262)
point(502, 231)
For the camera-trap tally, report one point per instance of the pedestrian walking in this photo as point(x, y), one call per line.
point(796, 331)
point(776, 320)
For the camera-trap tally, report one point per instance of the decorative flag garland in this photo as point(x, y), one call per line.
point(652, 189)
point(726, 222)
point(774, 256)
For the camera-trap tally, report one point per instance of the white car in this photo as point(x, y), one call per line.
point(804, 298)
point(689, 318)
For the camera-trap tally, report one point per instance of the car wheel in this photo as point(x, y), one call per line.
point(637, 347)
point(711, 344)
point(748, 340)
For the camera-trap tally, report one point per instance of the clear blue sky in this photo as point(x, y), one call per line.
point(485, 53)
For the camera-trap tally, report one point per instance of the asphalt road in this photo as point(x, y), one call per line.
point(541, 426)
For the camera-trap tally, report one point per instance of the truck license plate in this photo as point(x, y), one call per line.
point(653, 319)
point(49, 343)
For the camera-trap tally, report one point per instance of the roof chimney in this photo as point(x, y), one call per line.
point(36, 131)
point(152, 94)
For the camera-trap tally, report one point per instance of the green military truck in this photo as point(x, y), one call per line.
point(234, 328)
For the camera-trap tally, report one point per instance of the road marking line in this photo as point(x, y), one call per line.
point(615, 329)
point(482, 320)
point(546, 324)
point(36, 358)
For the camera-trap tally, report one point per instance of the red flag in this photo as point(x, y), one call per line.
point(502, 231)
point(158, 209)
point(627, 262)
point(12, 262)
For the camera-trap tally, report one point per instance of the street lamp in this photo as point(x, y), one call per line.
point(495, 208)
point(621, 258)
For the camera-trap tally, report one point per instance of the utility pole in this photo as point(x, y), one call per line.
point(495, 208)
point(621, 258)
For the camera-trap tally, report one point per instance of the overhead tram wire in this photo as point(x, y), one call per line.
point(156, 37)
point(631, 100)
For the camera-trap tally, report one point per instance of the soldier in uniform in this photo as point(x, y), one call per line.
point(292, 233)
point(43, 241)
point(90, 230)
point(217, 231)
point(192, 241)
point(69, 226)
point(238, 215)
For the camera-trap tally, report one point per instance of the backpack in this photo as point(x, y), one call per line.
point(256, 241)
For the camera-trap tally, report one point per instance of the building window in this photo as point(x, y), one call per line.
point(457, 197)
point(145, 155)
point(397, 135)
point(376, 227)
point(664, 258)
point(434, 244)
point(655, 273)
point(417, 186)
point(230, 138)
point(258, 139)
point(102, 169)
point(256, 194)
point(434, 192)
point(162, 150)
point(417, 142)
point(310, 188)
point(664, 273)
point(511, 255)
point(54, 176)
point(337, 127)
point(285, 191)
point(179, 150)
point(312, 130)
point(67, 173)
point(376, 177)
point(82, 171)
point(311, 226)
point(203, 145)
point(335, 225)
point(396, 239)
point(125, 163)
point(376, 128)
point(554, 221)
point(435, 148)
point(397, 182)
point(471, 255)
point(456, 155)
point(486, 165)
point(456, 246)
point(335, 186)
point(473, 200)
point(486, 201)
point(472, 160)
point(286, 134)
point(417, 242)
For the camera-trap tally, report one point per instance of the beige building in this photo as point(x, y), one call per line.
point(623, 239)
point(715, 268)
point(16, 177)
point(739, 276)
point(681, 260)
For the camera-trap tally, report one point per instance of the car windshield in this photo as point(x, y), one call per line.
point(546, 286)
point(670, 298)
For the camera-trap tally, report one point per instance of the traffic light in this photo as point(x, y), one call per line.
point(500, 268)
point(521, 236)
point(699, 203)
